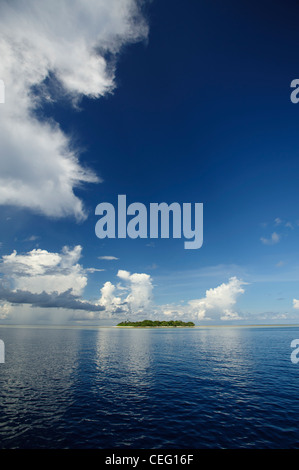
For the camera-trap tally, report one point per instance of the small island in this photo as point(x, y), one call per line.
point(156, 324)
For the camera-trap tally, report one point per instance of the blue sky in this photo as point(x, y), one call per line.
point(168, 102)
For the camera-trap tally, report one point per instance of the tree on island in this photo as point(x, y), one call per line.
point(156, 323)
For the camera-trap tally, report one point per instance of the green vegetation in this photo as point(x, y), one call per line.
point(156, 323)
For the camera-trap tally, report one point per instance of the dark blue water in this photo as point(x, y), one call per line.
point(149, 388)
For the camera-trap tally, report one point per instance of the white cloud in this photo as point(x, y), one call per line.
point(108, 258)
point(228, 315)
point(122, 274)
point(52, 280)
point(42, 271)
point(46, 281)
point(5, 310)
point(219, 302)
point(137, 299)
point(141, 287)
point(68, 40)
point(132, 298)
point(296, 303)
point(57, 280)
point(93, 270)
point(108, 298)
point(272, 240)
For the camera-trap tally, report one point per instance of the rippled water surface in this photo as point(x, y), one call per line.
point(149, 388)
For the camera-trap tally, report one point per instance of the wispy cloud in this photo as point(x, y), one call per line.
point(32, 238)
point(152, 266)
point(108, 258)
point(279, 221)
point(66, 43)
point(93, 270)
point(280, 264)
point(272, 240)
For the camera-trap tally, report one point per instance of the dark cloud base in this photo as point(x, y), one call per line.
point(44, 300)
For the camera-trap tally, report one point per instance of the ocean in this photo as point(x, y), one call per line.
point(167, 388)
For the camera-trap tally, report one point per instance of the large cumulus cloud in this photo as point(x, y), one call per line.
point(66, 42)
